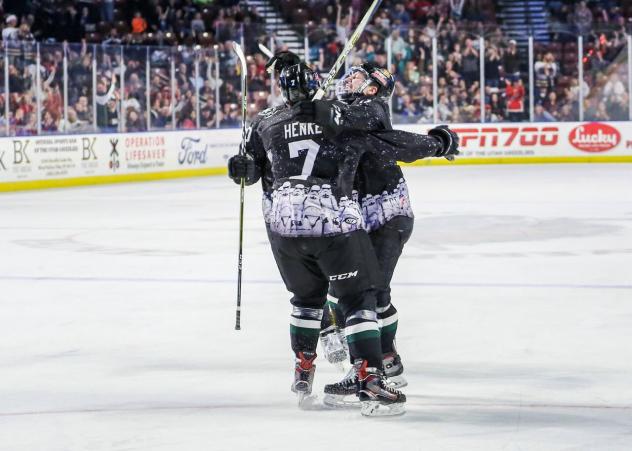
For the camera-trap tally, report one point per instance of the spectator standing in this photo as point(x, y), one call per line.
point(456, 9)
point(511, 60)
point(469, 61)
point(582, 18)
point(515, 100)
point(545, 75)
point(107, 11)
point(139, 24)
point(10, 32)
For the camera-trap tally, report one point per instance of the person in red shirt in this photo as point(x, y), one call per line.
point(139, 25)
point(515, 99)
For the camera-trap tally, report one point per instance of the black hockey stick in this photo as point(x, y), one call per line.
point(242, 151)
point(347, 48)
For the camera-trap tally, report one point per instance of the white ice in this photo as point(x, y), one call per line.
point(515, 298)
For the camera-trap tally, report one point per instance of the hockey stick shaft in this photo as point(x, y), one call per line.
point(265, 50)
point(242, 151)
point(347, 49)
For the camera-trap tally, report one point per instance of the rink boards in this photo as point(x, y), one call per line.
point(66, 160)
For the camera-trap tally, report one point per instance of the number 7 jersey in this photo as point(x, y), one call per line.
point(312, 178)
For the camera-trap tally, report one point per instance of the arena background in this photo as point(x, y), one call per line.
point(95, 92)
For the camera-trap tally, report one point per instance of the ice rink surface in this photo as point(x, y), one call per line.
point(515, 298)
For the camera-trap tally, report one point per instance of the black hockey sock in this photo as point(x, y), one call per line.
point(388, 327)
point(304, 328)
point(363, 337)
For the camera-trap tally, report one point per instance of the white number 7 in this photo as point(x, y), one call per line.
point(312, 148)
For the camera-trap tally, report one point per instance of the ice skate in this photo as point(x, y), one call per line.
point(344, 393)
point(376, 398)
point(334, 346)
point(393, 370)
point(303, 378)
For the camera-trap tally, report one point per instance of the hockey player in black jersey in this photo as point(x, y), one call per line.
point(383, 195)
point(317, 211)
point(317, 231)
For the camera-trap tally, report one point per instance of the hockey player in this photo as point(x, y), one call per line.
point(242, 166)
point(363, 93)
point(339, 214)
point(309, 261)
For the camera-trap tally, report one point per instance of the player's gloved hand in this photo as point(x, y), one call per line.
point(241, 166)
point(449, 141)
point(304, 111)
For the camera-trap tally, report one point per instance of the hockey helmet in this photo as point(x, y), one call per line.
point(281, 60)
point(298, 82)
point(370, 75)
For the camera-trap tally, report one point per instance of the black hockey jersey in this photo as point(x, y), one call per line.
point(310, 176)
point(380, 187)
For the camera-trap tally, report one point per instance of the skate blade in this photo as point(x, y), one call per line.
point(396, 382)
point(306, 401)
point(377, 409)
point(341, 401)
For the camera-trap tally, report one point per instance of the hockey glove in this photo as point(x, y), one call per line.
point(449, 141)
point(241, 166)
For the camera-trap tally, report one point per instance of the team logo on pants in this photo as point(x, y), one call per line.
point(346, 275)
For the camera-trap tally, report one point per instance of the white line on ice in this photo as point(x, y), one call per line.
point(273, 281)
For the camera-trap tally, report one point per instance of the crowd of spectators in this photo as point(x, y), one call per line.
point(169, 64)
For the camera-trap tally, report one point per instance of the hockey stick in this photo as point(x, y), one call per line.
point(265, 50)
point(347, 48)
point(242, 151)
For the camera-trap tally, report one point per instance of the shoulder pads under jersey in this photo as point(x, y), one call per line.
point(267, 112)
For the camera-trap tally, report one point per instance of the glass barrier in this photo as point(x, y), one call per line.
point(134, 87)
point(160, 89)
point(80, 111)
point(109, 67)
point(605, 70)
point(439, 69)
point(5, 112)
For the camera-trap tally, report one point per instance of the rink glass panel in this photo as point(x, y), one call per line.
point(556, 76)
point(209, 88)
point(108, 94)
point(52, 93)
point(98, 88)
point(135, 98)
point(80, 87)
point(606, 72)
point(160, 88)
point(21, 58)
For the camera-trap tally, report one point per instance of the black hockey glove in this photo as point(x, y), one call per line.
point(449, 141)
point(241, 166)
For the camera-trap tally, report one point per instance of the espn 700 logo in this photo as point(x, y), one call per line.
point(507, 136)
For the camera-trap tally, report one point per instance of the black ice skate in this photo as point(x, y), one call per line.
point(344, 393)
point(393, 370)
point(334, 346)
point(304, 377)
point(376, 398)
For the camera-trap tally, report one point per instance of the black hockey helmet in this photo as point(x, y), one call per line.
point(298, 82)
point(281, 60)
point(374, 75)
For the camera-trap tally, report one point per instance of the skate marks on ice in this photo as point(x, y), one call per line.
point(474, 229)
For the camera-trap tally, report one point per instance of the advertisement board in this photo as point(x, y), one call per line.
point(541, 142)
point(42, 161)
point(66, 160)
